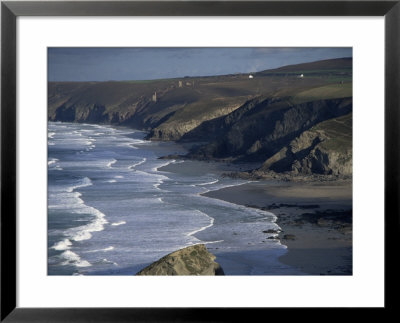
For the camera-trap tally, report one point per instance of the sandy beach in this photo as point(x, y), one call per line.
point(315, 217)
point(316, 221)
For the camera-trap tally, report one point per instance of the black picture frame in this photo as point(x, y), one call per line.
point(10, 10)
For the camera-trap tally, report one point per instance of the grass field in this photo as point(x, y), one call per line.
point(338, 131)
point(196, 99)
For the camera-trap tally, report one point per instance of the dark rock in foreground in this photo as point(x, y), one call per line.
point(193, 260)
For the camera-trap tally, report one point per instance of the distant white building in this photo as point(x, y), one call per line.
point(251, 76)
point(301, 76)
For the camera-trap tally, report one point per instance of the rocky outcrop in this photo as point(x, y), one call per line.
point(193, 260)
point(192, 116)
point(325, 149)
point(261, 128)
point(212, 129)
point(174, 112)
point(274, 119)
point(89, 114)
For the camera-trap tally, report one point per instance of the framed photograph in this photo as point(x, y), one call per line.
point(253, 141)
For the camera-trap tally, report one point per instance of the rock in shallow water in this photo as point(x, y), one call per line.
point(193, 260)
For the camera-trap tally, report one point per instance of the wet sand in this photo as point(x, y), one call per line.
point(316, 221)
point(316, 218)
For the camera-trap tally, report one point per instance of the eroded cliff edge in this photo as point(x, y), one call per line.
point(293, 127)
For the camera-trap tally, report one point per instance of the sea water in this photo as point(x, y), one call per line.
point(112, 210)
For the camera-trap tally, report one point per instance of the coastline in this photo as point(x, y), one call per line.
point(315, 218)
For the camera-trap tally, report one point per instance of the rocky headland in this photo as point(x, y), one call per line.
point(297, 128)
point(294, 124)
point(194, 260)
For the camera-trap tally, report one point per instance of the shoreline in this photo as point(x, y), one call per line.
point(315, 218)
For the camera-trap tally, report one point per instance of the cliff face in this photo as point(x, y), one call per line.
point(172, 108)
point(277, 117)
point(193, 260)
point(193, 115)
point(102, 102)
point(325, 149)
point(162, 107)
point(260, 128)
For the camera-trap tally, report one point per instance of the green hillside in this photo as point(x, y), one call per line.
point(238, 118)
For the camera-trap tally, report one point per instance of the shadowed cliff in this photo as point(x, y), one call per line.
point(278, 117)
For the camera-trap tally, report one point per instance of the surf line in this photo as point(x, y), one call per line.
point(202, 228)
point(156, 169)
point(138, 163)
point(190, 234)
point(109, 165)
point(83, 232)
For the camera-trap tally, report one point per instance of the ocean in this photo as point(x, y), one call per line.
point(113, 210)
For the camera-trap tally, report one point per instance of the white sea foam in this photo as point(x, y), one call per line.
point(84, 232)
point(134, 142)
point(52, 161)
point(137, 164)
point(53, 164)
point(157, 185)
point(62, 245)
point(51, 135)
point(211, 242)
point(111, 181)
point(73, 259)
point(149, 177)
point(118, 223)
point(71, 200)
point(204, 227)
point(222, 186)
point(209, 183)
point(155, 169)
point(111, 163)
point(177, 223)
point(106, 261)
point(102, 250)
point(132, 146)
point(90, 143)
point(267, 215)
point(86, 181)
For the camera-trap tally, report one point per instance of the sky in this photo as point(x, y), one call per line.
point(120, 64)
